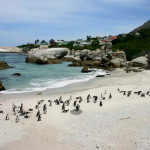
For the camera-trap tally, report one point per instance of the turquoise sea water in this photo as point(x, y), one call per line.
point(39, 77)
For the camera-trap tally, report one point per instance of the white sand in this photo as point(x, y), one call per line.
point(123, 123)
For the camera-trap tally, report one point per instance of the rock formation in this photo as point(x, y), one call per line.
point(85, 69)
point(16, 74)
point(79, 58)
point(140, 62)
point(46, 56)
point(1, 87)
point(3, 65)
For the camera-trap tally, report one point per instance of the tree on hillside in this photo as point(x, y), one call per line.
point(43, 41)
point(95, 43)
point(37, 41)
point(88, 38)
point(52, 41)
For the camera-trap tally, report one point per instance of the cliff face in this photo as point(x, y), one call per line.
point(146, 25)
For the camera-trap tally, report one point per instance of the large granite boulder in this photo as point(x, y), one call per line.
point(1, 87)
point(119, 54)
point(116, 62)
point(84, 53)
point(46, 56)
point(3, 65)
point(140, 62)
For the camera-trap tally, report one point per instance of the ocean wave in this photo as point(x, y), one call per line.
point(42, 85)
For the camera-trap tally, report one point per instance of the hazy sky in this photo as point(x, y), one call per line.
point(23, 21)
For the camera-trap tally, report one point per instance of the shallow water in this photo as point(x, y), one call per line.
point(39, 77)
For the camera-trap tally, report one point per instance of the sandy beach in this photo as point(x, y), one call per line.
point(122, 123)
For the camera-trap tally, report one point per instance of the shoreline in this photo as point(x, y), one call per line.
point(122, 122)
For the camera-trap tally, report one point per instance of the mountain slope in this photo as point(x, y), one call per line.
point(146, 25)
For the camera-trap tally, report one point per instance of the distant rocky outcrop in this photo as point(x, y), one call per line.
point(46, 56)
point(146, 25)
point(10, 49)
point(140, 62)
point(3, 65)
point(1, 87)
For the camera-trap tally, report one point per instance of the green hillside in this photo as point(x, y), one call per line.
point(134, 44)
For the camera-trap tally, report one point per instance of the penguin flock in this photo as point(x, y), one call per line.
point(42, 106)
point(138, 93)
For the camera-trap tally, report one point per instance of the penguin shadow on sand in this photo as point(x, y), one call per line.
point(77, 110)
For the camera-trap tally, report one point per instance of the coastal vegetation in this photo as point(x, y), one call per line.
point(134, 44)
point(28, 47)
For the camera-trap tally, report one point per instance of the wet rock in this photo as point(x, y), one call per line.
point(100, 76)
point(3, 65)
point(16, 74)
point(85, 69)
point(1, 87)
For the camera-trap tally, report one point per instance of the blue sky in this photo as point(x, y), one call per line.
point(23, 21)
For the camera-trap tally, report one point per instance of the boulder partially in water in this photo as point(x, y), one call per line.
point(3, 65)
point(16, 74)
point(46, 56)
point(1, 87)
point(85, 69)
